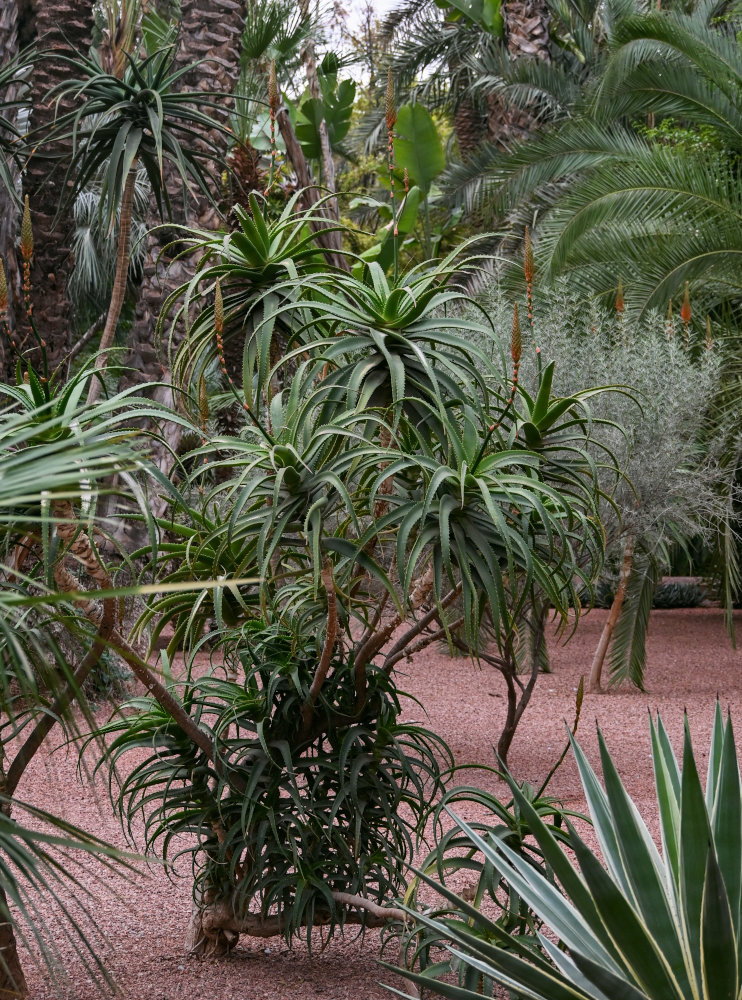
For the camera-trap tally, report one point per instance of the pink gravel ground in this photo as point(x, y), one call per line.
point(690, 661)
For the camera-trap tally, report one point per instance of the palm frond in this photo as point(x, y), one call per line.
point(628, 656)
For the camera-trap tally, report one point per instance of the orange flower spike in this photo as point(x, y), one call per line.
point(203, 403)
point(528, 265)
point(709, 339)
point(26, 233)
point(218, 309)
point(273, 96)
point(619, 297)
point(390, 106)
point(515, 337)
point(3, 289)
point(685, 310)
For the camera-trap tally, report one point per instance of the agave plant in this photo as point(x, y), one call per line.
point(642, 925)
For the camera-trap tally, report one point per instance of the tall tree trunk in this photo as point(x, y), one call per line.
point(9, 212)
point(527, 37)
point(596, 670)
point(12, 981)
point(60, 26)
point(211, 30)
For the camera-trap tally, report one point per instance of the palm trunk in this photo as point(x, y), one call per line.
point(119, 283)
point(58, 26)
point(211, 30)
point(8, 208)
point(527, 35)
point(596, 670)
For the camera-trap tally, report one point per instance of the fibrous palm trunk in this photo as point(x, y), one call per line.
point(59, 26)
point(211, 34)
point(527, 36)
point(8, 206)
point(119, 282)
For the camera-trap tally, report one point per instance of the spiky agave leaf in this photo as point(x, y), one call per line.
point(645, 926)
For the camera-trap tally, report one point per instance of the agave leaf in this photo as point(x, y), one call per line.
point(642, 955)
point(602, 817)
point(726, 821)
point(715, 752)
point(718, 940)
point(562, 867)
point(644, 868)
point(546, 900)
point(695, 836)
point(597, 981)
point(667, 786)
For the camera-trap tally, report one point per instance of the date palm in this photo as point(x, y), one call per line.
point(659, 215)
point(426, 37)
point(210, 42)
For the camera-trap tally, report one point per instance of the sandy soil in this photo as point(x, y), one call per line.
point(690, 661)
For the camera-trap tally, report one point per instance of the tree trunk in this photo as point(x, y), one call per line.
point(9, 211)
point(527, 37)
point(119, 282)
point(211, 30)
point(12, 980)
point(596, 670)
point(527, 29)
point(518, 694)
point(60, 25)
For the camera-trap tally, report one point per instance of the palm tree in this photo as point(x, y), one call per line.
point(427, 38)
point(210, 47)
point(658, 214)
point(12, 66)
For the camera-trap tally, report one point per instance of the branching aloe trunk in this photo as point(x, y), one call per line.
point(596, 670)
point(119, 283)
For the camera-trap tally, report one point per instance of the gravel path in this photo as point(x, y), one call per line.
point(690, 661)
